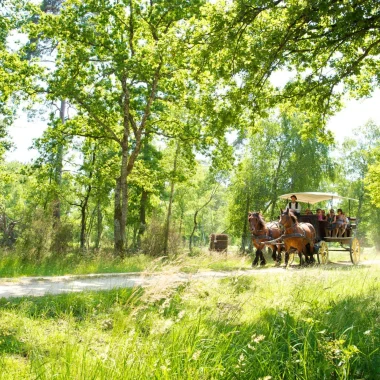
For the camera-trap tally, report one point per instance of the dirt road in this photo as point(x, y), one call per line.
point(39, 286)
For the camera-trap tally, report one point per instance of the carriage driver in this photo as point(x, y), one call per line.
point(294, 206)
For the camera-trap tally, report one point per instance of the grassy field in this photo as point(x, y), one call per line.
point(310, 323)
point(11, 265)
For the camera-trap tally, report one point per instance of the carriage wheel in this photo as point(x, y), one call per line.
point(323, 253)
point(355, 251)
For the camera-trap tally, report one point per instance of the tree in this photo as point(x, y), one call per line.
point(119, 64)
point(16, 73)
point(373, 179)
point(276, 160)
point(327, 48)
point(358, 159)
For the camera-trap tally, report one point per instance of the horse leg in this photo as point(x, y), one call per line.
point(279, 255)
point(302, 261)
point(262, 258)
point(274, 253)
point(311, 253)
point(256, 260)
point(308, 254)
point(286, 258)
point(300, 253)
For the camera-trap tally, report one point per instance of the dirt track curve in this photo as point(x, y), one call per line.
point(40, 286)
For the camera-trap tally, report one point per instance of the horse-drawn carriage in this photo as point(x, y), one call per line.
point(305, 234)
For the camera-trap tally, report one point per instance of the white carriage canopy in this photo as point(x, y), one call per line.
point(311, 197)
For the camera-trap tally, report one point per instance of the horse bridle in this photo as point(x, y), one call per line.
point(295, 234)
point(260, 237)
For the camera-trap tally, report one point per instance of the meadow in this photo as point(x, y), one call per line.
point(309, 323)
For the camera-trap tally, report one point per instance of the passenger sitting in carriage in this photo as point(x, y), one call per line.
point(331, 223)
point(340, 223)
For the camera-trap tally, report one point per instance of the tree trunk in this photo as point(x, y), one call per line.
point(244, 232)
point(99, 225)
point(195, 218)
point(275, 184)
point(83, 227)
point(83, 210)
point(142, 228)
point(121, 205)
point(180, 225)
point(193, 231)
point(58, 171)
point(167, 226)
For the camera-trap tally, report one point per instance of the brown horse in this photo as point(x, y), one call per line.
point(298, 237)
point(262, 232)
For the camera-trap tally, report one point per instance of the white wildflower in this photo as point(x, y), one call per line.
point(196, 355)
point(259, 338)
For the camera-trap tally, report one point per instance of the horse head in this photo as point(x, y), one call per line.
point(287, 218)
point(256, 221)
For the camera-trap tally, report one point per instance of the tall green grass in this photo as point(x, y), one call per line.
point(12, 265)
point(310, 323)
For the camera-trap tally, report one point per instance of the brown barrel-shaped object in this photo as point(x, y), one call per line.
point(218, 242)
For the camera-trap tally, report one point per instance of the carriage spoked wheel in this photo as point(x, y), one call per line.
point(355, 251)
point(323, 253)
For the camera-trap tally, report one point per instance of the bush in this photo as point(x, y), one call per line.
point(153, 242)
point(154, 239)
point(38, 238)
point(35, 237)
point(62, 237)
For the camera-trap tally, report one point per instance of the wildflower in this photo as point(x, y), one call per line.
point(107, 324)
point(180, 315)
point(196, 355)
point(308, 320)
point(253, 348)
point(259, 338)
point(368, 332)
point(241, 361)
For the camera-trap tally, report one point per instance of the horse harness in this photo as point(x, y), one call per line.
point(296, 234)
point(258, 238)
point(285, 236)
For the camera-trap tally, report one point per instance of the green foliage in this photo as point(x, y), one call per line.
point(141, 79)
point(321, 44)
point(358, 158)
point(276, 160)
point(372, 177)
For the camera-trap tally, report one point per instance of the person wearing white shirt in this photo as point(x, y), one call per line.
point(294, 206)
